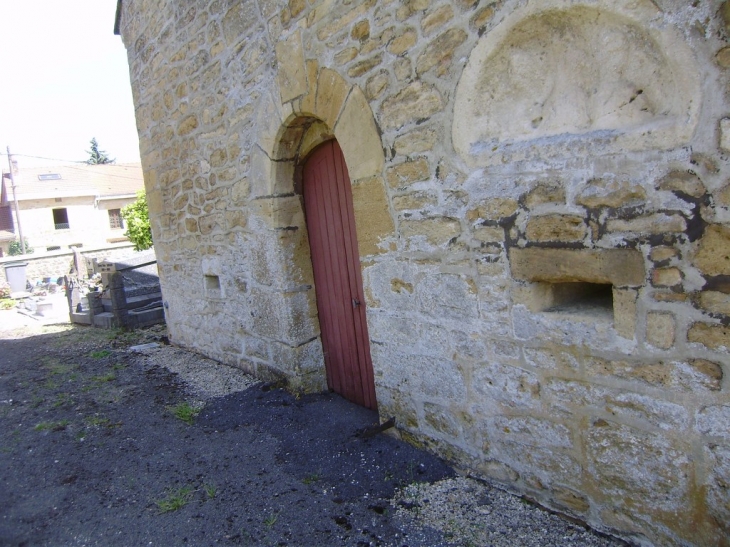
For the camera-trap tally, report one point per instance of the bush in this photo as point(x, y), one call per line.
point(4, 289)
point(136, 215)
point(14, 248)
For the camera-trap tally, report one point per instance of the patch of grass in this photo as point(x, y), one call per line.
point(52, 426)
point(311, 478)
point(97, 421)
point(184, 411)
point(175, 499)
point(50, 384)
point(109, 377)
point(7, 304)
point(63, 399)
point(210, 490)
point(100, 354)
point(271, 519)
point(58, 369)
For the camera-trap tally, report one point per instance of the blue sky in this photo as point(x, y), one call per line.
point(65, 79)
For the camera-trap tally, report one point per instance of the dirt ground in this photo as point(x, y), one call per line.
point(102, 446)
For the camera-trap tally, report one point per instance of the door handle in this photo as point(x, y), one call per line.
point(355, 302)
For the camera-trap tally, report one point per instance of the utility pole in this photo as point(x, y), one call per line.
point(15, 201)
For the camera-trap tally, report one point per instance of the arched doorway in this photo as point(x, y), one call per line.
point(330, 220)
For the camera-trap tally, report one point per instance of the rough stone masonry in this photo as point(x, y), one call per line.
point(542, 208)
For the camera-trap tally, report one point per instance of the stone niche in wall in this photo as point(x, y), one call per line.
point(604, 74)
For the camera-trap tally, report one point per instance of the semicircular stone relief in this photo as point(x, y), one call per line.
point(577, 73)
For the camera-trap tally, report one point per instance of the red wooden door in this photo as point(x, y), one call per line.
point(337, 278)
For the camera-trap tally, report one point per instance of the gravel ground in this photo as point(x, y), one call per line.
point(104, 445)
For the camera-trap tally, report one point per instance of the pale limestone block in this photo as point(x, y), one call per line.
point(269, 120)
point(365, 66)
point(624, 312)
point(541, 465)
point(714, 420)
point(725, 134)
point(316, 134)
point(500, 386)
point(660, 329)
point(361, 30)
point(414, 200)
point(407, 173)
point(718, 458)
point(359, 137)
point(575, 396)
point(346, 55)
point(660, 254)
point(377, 84)
point(666, 277)
point(650, 224)
point(545, 193)
point(713, 253)
point(267, 177)
point(437, 18)
point(530, 431)
point(437, 231)
point(441, 420)
point(403, 41)
point(308, 103)
point(344, 19)
point(237, 22)
point(373, 222)
point(571, 499)
point(440, 52)
point(488, 234)
point(280, 212)
point(631, 464)
point(418, 140)
point(711, 335)
point(683, 181)
point(332, 90)
point(715, 302)
point(558, 228)
point(417, 101)
point(551, 358)
point(610, 193)
point(448, 296)
point(493, 209)
point(619, 267)
point(482, 17)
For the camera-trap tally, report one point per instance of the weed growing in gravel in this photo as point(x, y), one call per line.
point(271, 519)
point(175, 499)
point(311, 478)
point(63, 399)
point(184, 411)
point(109, 377)
point(100, 354)
point(97, 421)
point(52, 426)
point(210, 490)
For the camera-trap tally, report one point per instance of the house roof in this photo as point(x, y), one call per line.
point(77, 180)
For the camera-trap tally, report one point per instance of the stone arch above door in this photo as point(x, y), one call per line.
point(290, 127)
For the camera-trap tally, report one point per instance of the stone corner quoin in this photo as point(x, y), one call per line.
point(540, 204)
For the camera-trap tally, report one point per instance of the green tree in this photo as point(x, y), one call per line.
point(137, 218)
point(14, 249)
point(96, 156)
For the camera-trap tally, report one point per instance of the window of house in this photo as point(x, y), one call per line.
point(60, 219)
point(116, 221)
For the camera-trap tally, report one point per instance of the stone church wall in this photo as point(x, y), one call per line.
point(543, 215)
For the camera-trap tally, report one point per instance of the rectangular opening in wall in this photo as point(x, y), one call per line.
point(60, 219)
point(212, 282)
point(212, 286)
point(581, 298)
